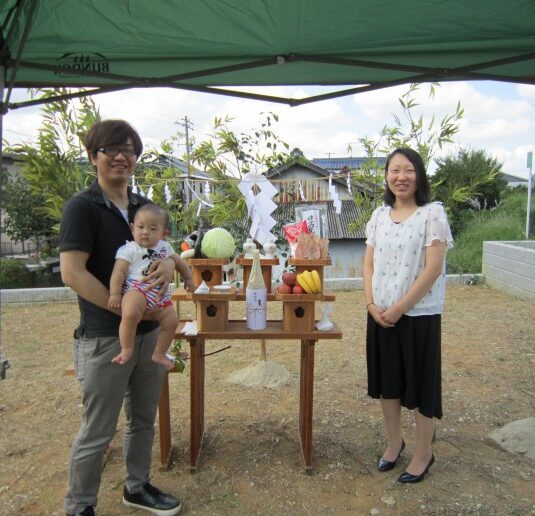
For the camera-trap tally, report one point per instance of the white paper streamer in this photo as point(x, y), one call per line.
point(349, 182)
point(334, 196)
point(150, 193)
point(167, 193)
point(259, 206)
point(210, 205)
point(301, 192)
point(207, 190)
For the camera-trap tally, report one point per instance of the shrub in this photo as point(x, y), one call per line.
point(14, 274)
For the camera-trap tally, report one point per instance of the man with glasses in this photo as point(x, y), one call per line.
point(95, 223)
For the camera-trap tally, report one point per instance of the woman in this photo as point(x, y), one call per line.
point(404, 283)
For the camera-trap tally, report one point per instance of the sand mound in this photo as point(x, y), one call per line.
point(261, 374)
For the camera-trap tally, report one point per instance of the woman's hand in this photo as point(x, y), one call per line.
point(392, 315)
point(377, 314)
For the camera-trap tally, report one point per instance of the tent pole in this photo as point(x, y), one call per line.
point(4, 363)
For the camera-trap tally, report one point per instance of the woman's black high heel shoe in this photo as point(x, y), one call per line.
point(407, 478)
point(386, 465)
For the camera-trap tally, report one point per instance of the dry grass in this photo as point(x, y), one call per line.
point(251, 462)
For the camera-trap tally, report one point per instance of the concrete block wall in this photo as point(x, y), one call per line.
point(510, 266)
point(38, 295)
point(66, 295)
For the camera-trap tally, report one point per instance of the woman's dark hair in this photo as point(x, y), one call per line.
point(423, 189)
point(111, 132)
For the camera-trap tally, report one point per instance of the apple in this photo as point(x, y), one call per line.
point(289, 278)
point(284, 289)
point(297, 289)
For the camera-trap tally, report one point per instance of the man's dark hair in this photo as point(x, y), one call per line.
point(423, 189)
point(157, 210)
point(111, 132)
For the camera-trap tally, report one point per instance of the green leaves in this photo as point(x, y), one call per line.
point(408, 130)
point(54, 166)
point(470, 180)
point(227, 156)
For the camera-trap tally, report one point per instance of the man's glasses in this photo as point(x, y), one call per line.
point(113, 150)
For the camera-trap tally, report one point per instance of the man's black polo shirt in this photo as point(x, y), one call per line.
point(91, 223)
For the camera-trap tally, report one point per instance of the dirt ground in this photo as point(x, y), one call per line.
point(251, 462)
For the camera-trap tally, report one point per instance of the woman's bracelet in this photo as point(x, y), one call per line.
point(369, 305)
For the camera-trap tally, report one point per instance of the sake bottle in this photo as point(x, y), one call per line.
point(256, 296)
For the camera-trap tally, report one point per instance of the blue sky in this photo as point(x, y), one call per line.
point(499, 118)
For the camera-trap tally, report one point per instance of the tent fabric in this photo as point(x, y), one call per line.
point(208, 44)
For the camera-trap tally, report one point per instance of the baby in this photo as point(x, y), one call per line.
point(128, 289)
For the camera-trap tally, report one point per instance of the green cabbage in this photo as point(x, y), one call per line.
point(218, 243)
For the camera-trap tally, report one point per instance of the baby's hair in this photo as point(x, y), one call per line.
point(157, 210)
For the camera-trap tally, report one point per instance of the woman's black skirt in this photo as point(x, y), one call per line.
point(404, 362)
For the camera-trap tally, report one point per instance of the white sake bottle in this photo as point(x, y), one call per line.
point(256, 296)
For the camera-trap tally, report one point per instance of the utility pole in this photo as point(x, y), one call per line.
point(530, 186)
point(187, 124)
point(329, 154)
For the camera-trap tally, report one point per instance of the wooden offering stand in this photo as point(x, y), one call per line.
point(212, 323)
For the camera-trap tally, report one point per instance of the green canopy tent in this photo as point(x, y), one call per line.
point(214, 45)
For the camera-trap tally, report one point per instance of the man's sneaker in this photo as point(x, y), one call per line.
point(88, 511)
point(151, 499)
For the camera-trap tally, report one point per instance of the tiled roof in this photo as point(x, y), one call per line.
point(337, 223)
point(339, 163)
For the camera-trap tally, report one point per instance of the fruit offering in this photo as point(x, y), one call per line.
point(288, 278)
point(309, 281)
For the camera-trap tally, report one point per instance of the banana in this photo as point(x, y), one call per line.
point(317, 281)
point(301, 280)
point(310, 280)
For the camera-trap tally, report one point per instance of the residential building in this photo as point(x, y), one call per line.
point(302, 183)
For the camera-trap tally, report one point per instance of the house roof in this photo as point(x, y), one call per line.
point(335, 164)
point(337, 223)
point(162, 160)
point(304, 163)
point(510, 178)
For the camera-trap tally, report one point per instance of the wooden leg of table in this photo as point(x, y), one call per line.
point(306, 398)
point(164, 418)
point(196, 401)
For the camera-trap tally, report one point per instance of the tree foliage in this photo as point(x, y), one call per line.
point(408, 130)
point(227, 155)
point(21, 221)
point(473, 172)
point(53, 166)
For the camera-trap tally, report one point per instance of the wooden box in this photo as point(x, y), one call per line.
point(209, 270)
point(212, 315)
point(298, 315)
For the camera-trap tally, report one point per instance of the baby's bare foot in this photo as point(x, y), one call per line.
point(161, 358)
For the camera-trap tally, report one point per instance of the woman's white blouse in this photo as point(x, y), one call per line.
point(399, 255)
